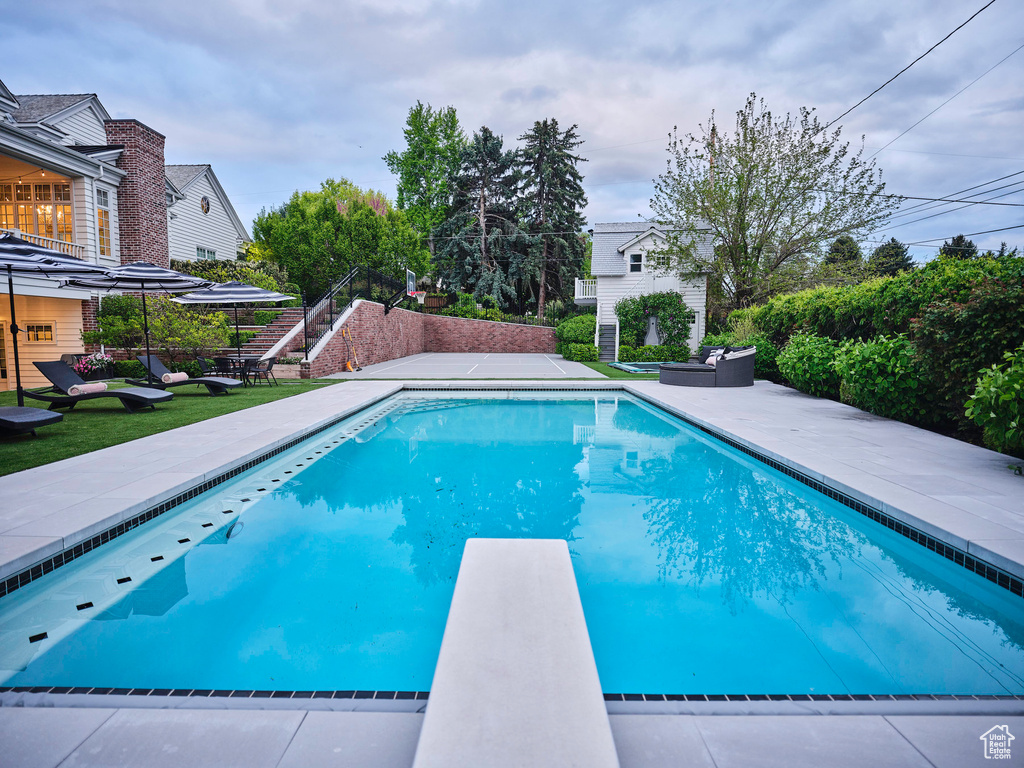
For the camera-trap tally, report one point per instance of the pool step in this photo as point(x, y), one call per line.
point(515, 682)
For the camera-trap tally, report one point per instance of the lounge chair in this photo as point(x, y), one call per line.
point(216, 385)
point(734, 368)
point(63, 378)
point(16, 420)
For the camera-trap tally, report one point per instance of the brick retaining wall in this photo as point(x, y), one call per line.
point(400, 333)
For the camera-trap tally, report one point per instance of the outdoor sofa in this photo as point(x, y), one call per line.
point(733, 367)
point(164, 379)
point(63, 378)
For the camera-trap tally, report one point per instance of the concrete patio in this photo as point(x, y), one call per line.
point(474, 365)
point(958, 493)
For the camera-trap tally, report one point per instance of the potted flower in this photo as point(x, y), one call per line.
point(95, 366)
point(288, 367)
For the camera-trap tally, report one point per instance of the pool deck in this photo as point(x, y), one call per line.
point(960, 494)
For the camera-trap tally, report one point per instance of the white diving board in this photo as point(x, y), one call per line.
point(516, 683)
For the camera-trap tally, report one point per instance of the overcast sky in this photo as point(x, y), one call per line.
point(279, 95)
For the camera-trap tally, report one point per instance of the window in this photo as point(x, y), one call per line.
point(39, 332)
point(3, 351)
point(206, 254)
point(38, 209)
point(103, 221)
point(632, 459)
point(636, 262)
point(663, 261)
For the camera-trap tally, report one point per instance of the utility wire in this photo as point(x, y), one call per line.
point(953, 210)
point(969, 234)
point(909, 65)
point(947, 101)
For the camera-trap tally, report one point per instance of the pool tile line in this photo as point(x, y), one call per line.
point(997, 576)
point(221, 693)
point(65, 556)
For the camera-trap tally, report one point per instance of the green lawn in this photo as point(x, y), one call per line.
point(615, 373)
point(100, 423)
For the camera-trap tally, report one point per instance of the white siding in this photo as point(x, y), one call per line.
point(188, 227)
point(85, 216)
point(85, 127)
point(611, 289)
point(65, 314)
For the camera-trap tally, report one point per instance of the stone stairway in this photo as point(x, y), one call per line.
point(606, 344)
point(272, 333)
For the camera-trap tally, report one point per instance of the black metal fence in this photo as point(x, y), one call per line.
point(361, 282)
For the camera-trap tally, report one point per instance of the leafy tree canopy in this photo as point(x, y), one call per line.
point(770, 196)
point(318, 236)
point(843, 249)
point(426, 169)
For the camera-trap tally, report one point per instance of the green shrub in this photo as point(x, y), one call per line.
point(765, 358)
point(129, 369)
point(575, 330)
point(997, 405)
point(245, 337)
point(808, 363)
point(674, 318)
point(490, 314)
point(581, 353)
point(955, 338)
point(626, 354)
point(265, 316)
point(881, 376)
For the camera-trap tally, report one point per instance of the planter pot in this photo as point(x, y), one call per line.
point(100, 375)
point(287, 371)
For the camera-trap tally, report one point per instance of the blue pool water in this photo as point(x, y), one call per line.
point(331, 566)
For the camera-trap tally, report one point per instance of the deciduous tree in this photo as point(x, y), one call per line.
point(770, 195)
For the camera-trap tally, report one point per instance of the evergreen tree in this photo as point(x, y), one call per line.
point(477, 244)
point(958, 248)
point(890, 258)
point(552, 198)
point(426, 169)
point(844, 249)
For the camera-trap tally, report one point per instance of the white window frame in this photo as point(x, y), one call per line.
point(636, 260)
point(205, 254)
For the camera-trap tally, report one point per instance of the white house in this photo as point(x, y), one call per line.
point(625, 263)
point(77, 181)
point(202, 223)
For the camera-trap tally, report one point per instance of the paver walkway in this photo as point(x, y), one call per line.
point(474, 365)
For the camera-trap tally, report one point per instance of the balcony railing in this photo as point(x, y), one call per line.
point(74, 250)
point(586, 291)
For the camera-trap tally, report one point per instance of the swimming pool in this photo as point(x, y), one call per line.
point(331, 566)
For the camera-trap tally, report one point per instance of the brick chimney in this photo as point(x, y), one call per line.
point(141, 197)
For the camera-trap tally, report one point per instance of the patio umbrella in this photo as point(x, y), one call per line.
point(141, 277)
point(235, 293)
point(24, 257)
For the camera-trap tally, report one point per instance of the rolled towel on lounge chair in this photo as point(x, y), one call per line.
point(87, 389)
point(171, 378)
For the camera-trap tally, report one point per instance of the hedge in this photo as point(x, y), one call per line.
point(881, 376)
point(575, 330)
point(808, 363)
point(997, 404)
point(581, 353)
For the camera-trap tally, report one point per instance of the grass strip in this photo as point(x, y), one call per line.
point(100, 423)
point(615, 373)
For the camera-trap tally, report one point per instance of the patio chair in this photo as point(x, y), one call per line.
point(63, 378)
point(17, 420)
point(216, 385)
point(264, 369)
point(225, 365)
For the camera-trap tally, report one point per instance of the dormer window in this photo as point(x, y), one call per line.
point(636, 262)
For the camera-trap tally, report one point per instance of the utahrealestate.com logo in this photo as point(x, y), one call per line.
point(997, 742)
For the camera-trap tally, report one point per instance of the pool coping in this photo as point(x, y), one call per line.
point(913, 523)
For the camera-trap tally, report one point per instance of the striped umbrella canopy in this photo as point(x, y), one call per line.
point(141, 277)
point(24, 257)
point(235, 293)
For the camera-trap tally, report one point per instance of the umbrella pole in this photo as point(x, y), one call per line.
point(145, 326)
point(238, 336)
point(14, 336)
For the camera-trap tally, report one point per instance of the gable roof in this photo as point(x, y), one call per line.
point(183, 175)
point(611, 240)
point(7, 99)
point(36, 108)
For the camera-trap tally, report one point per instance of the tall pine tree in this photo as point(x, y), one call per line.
point(478, 240)
point(551, 203)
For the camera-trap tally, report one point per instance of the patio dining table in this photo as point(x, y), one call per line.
point(239, 365)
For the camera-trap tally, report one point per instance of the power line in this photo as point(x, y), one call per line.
point(953, 210)
point(948, 100)
point(950, 154)
point(909, 65)
point(969, 234)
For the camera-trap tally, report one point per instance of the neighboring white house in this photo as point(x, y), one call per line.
point(625, 263)
point(201, 223)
